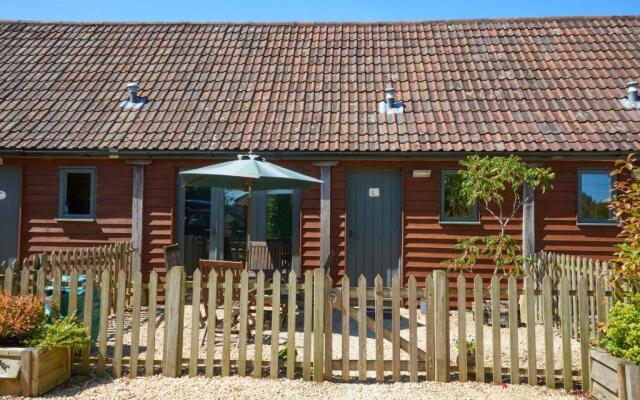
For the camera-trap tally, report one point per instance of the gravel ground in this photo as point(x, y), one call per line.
point(248, 388)
point(353, 338)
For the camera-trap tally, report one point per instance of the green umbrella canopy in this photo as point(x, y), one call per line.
point(248, 170)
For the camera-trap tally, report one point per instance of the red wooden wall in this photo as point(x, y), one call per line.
point(426, 242)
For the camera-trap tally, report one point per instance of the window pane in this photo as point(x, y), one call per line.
point(279, 216)
point(78, 196)
point(595, 193)
point(455, 206)
point(197, 226)
point(235, 224)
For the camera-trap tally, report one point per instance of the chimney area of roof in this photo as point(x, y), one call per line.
point(133, 101)
point(390, 105)
point(631, 101)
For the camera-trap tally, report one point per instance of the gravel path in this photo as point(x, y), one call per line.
point(248, 388)
point(354, 340)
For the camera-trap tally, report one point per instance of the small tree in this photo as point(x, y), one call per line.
point(626, 209)
point(490, 181)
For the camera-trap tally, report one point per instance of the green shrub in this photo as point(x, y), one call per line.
point(20, 318)
point(622, 333)
point(67, 332)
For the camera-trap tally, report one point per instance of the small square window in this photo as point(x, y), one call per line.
point(453, 206)
point(77, 193)
point(594, 195)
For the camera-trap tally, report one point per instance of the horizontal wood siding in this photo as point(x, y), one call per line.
point(310, 221)
point(40, 232)
point(556, 216)
point(426, 241)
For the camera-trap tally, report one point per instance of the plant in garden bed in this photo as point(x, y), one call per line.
point(23, 323)
point(27, 334)
point(495, 184)
point(622, 332)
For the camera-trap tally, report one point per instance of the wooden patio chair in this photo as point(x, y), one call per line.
point(172, 256)
point(172, 259)
point(221, 267)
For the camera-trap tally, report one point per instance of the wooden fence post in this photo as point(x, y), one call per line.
point(583, 309)
point(105, 296)
point(441, 325)
point(318, 324)
point(174, 321)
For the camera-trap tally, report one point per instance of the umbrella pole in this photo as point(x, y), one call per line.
point(249, 224)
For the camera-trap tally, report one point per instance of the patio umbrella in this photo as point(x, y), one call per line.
point(248, 173)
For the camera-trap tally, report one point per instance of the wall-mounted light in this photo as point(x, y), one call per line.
point(422, 173)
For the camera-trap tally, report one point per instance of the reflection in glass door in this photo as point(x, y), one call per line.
point(235, 224)
point(212, 224)
point(197, 225)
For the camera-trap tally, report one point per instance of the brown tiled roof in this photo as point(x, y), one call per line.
point(550, 84)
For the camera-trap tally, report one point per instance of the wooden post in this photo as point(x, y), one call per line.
point(344, 309)
point(513, 330)
point(137, 212)
point(328, 327)
point(308, 325)
point(211, 322)
point(379, 326)
point(430, 331)
point(257, 357)
point(362, 328)
point(565, 330)
point(151, 324)
point(226, 327)
point(135, 323)
point(413, 330)
point(528, 221)
point(291, 326)
point(174, 322)
point(441, 325)
point(478, 304)
point(120, 299)
point(495, 329)
point(462, 328)
point(318, 324)
point(105, 295)
point(275, 325)
point(547, 305)
point(195, 321)
point(325, 210)
point(242, 334)
point(583, 309)
point(532, 368)
point(395, 328)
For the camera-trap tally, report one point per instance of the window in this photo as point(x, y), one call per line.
point(77, 193)
point(453, 207)
point(594, 194)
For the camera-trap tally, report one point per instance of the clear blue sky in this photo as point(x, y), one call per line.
point(303, 10)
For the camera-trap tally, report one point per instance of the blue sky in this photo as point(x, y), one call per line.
point(303, 10)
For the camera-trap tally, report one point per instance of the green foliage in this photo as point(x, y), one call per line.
point(492, 182)
point(67, 332)
point(20, 318)
point(455, 203)
point(470, 345)
point(283, 353)
point(622, 333)
point(503, 250)
point(626, 210)
point(279, 216)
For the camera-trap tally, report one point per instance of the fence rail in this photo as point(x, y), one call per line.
point(307, 327)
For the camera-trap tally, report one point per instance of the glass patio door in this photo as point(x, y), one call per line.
point(212, 224)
